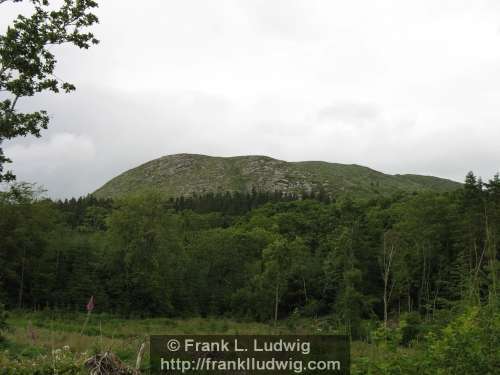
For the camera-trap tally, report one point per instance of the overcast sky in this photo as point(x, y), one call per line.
point(399, 86)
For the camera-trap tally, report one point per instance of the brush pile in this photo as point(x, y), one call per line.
point(108, 363)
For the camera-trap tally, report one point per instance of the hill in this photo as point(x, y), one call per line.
point(185, 174)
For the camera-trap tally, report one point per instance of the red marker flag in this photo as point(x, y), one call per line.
point(90, 305)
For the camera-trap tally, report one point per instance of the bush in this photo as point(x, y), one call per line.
point(366, 329)
point(386, 337)
point(411, 327)
point(467, 345)
point(3, 321)
point(314, 308)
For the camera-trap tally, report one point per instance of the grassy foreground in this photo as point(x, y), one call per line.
point(54, 343)
point(57, 340)
point(50, 343)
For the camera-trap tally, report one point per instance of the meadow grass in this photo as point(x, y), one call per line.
point(52, 331)
point(57, 336)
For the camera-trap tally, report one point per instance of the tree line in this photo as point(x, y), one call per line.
point(261, 256)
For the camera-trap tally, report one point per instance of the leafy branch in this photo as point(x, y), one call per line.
point(27, 65)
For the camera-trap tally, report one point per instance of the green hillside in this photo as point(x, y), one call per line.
point(185, 174)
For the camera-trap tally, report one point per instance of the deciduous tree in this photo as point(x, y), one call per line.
point(27, 62)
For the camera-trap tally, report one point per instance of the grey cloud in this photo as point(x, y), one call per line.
point(400, 86)
point(349, 112)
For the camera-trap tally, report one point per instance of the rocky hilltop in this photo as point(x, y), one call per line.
point(185, 174)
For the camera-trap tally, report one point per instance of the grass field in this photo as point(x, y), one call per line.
point(35, 336)
point(56, 342)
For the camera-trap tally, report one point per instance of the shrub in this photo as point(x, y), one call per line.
point(3, 321)
point(468, 345)
point(411, 327)
point(314, 308)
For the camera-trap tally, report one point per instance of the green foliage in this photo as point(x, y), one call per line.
point(277, 261)
point(3, 321)
point(389, 338)
point(411, 327)
point(467, 345)
point(58, 361)
point(146, 255)
point(27, 63)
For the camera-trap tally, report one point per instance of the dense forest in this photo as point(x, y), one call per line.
point(416, 271)
point(261, 256)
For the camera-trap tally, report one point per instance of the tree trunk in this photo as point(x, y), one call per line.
point(276, 302)
point(21, 286)
point(387, 259)
point(305, 290)
point(409, 299)
point(385, 302)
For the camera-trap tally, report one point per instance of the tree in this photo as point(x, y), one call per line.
point(144, 242)
point(279, 258)
point(25, 221)
point(492, 234)
point(390, 249)
point(27, 64)
point(344, 277)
